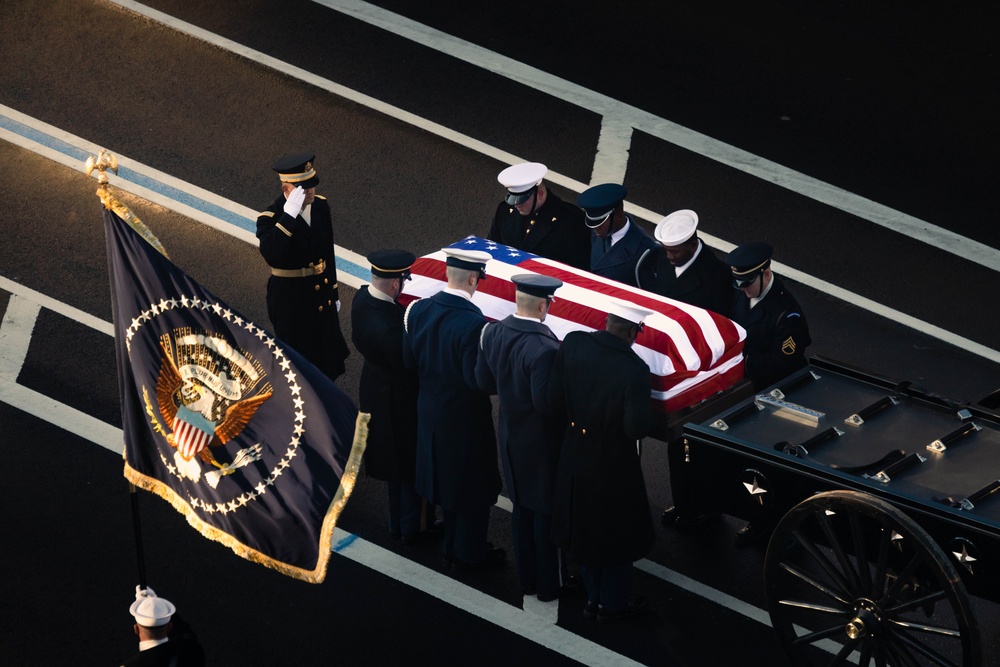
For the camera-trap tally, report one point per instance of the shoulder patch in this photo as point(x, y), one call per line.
point(793, 315)
point(266, 214)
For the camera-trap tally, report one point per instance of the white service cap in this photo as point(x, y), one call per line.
point(149, 610)
point(677, 227)
point(628, 310)
point(522, 177)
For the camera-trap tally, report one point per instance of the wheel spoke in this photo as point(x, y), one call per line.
point(903, 578)
point(932, 597)
point(824, 562)
point(861, 554)
point(906, 642)
point(833, 540)
point(832, 631)
point(866, 654)
point(930, 629)
point(815, 607)
point(844, 652)
point(834, 595)
point(881, 567)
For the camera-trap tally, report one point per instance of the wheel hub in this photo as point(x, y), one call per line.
point(865, 622)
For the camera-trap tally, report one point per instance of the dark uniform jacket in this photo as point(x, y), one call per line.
point(619, 262)
point(456, 445)
point(388, 390)
point(183, 650)
point(707, 283)
point(556, 231)
point(303, 310)
point(600, 509)
point(515, 362)
point(777, 335)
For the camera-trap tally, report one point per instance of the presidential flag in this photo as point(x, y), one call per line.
point(248, 440)
point(692, 353)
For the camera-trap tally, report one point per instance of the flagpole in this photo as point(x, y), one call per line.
point(137, 529)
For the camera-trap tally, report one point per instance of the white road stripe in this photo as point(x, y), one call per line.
point(59, 414)
point(470, 600)
point(15, 335)
point(535, 623)
point(621, 113)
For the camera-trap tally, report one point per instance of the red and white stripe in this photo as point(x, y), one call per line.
point(189, 438)
point(692, 353)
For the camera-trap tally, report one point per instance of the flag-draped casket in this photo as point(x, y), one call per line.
point(693, 354)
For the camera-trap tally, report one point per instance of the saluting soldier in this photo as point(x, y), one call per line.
point(456, 444)
point(515, 362)
point(777, 332)
point(685, 269)
point(616, 242)
point(600, 508)
point(296, 240)
point(388, 391)
point(534, 219)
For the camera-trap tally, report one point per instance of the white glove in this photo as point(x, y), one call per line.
point(338, 305)
point(293, 203)
point(144, 593)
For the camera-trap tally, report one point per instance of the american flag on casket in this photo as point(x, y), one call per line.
point(692, 353)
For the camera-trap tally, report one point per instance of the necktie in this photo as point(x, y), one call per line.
point(607, 243)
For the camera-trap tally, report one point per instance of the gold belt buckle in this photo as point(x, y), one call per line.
point(319, 267)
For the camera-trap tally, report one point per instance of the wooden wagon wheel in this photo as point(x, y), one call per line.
point(849, 574)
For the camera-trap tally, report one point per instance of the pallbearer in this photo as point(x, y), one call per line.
point(600, 508)
point(389, 392)
point(456, 444)
point(515, 362)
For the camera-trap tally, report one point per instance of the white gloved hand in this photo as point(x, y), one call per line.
point(338, 305)
point(293, 203)
point(144, 593)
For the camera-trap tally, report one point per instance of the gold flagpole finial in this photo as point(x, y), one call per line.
point(102, 163)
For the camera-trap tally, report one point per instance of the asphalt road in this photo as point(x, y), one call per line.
point(847, 95)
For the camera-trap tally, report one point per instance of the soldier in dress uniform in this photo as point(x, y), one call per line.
point(515, 362)
point(388, 392)
point(534, 219)
point(164, 639)
point(685, 269)
point(777, 331)
point(617, 242)
point(296, 241)
point(456, 444)
point(600, 508)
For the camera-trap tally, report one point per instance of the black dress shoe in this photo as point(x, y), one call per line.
point(549, 597)
point(494, 558)
point(422, 536)
point(669, 516)
point(634, 607)
point(590, 611)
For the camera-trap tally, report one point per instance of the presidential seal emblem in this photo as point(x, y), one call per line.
point(206, 392)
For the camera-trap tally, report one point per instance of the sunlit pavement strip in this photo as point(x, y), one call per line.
point(472, 601)
point(201, 205)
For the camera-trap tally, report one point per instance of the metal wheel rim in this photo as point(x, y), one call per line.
point(872, 612)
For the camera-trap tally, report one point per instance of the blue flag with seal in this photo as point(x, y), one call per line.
point(244, 437)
